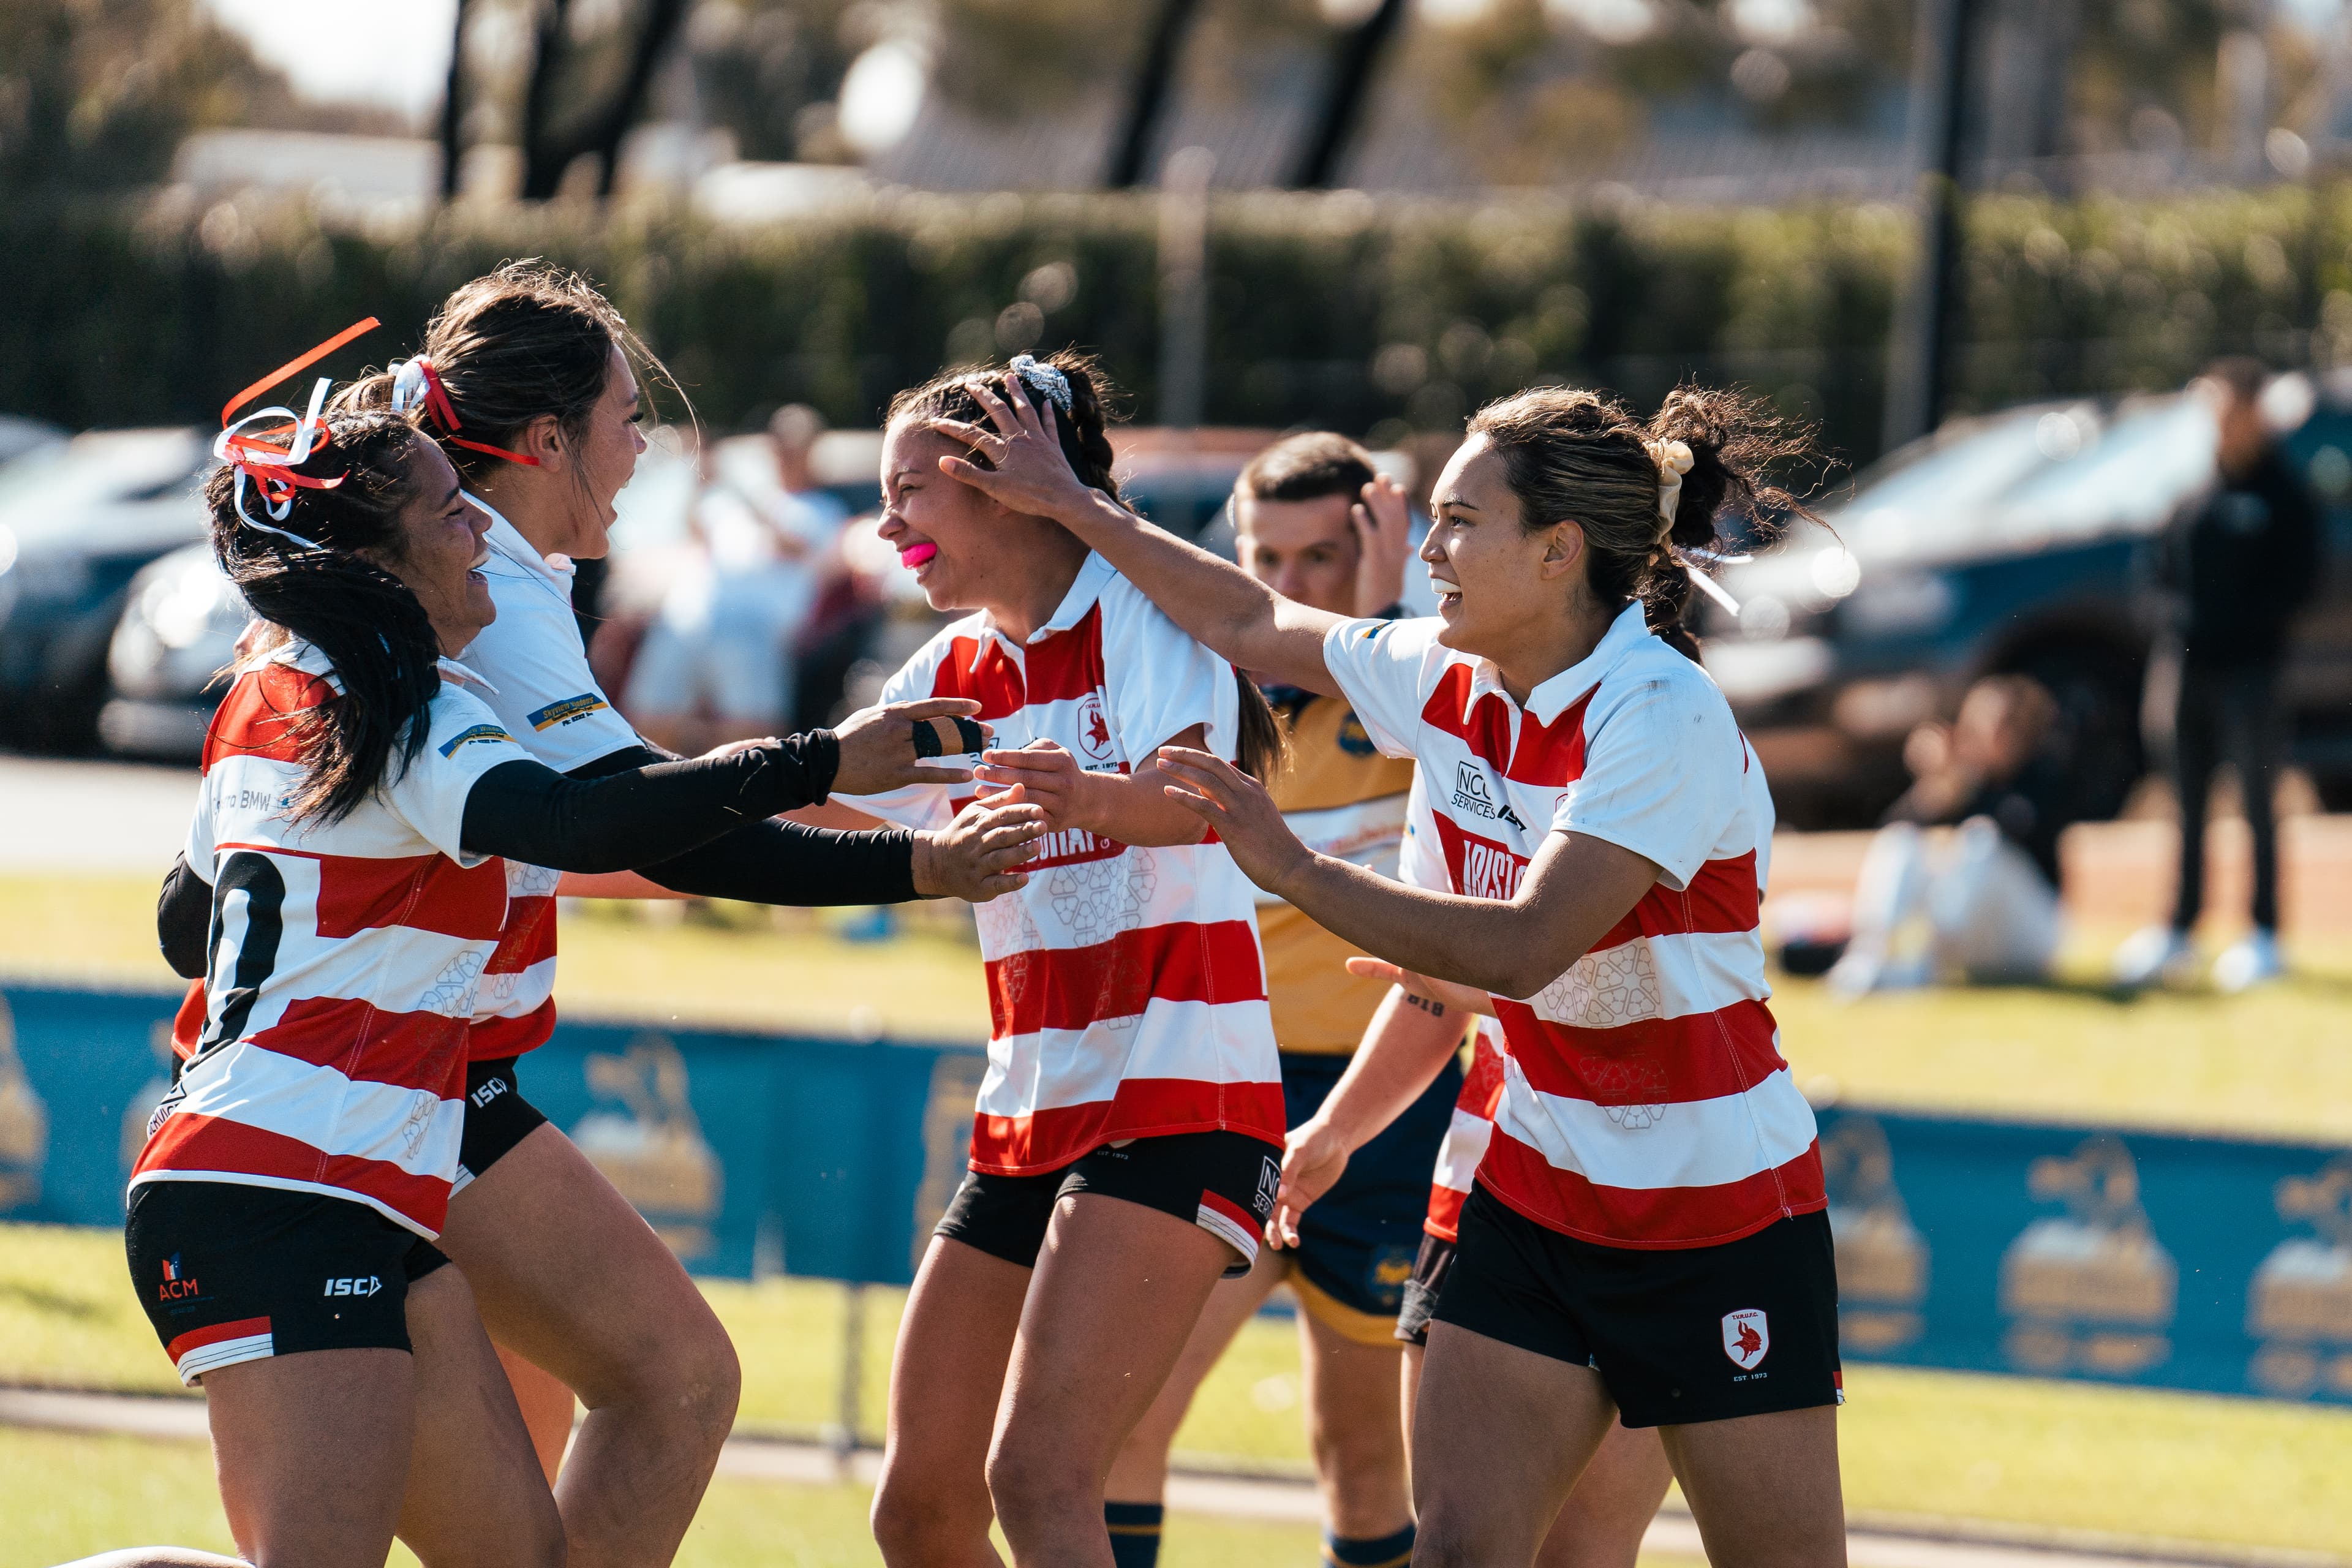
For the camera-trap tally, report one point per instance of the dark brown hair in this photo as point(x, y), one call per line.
point(1085, 436)
point(366, 622)
point(1573, 454)
point(512, 346)
point(1307, 466)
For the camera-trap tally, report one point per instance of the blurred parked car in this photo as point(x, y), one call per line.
point(77, 521)
point(177, 634)
point(2019, 543)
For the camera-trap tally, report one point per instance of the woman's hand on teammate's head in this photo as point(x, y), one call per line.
point(1314, 1158)
point(980, 853)
point(1383, 525)
point(1239, 808)
point(1444, 992)
point(1049, 778)
point(878, 751)
point(1030, 473)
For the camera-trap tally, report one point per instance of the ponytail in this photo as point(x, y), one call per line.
point(1569, 454)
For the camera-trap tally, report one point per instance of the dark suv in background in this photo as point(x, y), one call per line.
point(2024, 541)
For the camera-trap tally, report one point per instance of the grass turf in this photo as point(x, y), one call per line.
point(2044, 1454)
point(67, 1496)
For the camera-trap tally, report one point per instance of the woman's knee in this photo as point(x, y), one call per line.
point(917, 1521)
point(1034, 1478)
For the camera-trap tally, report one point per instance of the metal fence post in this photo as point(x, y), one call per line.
point(848, 1433)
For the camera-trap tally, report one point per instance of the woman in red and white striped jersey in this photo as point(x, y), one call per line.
point(1132, 1053)
point(528, 378)
point(1606, 1515)
point(357, 799)
point(1647, 1237)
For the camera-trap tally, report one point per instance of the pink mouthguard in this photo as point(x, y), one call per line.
point(914, 555)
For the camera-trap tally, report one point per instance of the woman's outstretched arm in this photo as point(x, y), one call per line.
point(1573, 892)
point(1216, 602)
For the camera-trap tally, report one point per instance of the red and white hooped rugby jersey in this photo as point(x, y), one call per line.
point(1467, 1135)
point(536, 680)
point(1644, 1100)
point(340, 983)
point(1126, 990)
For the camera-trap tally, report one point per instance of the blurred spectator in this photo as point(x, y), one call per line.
point(2239, 561)
point(717, 660)
point(1982, 905)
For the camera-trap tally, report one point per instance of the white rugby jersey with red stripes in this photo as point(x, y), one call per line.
point(537, 681)
point(1644, 1101)
point(1420, 864)
point(1126, 990)
point(343, 963)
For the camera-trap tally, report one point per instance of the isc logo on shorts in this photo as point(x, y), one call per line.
point(367, 1286)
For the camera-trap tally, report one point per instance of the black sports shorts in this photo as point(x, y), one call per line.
point(497, 1118)
point(231, 1273)
point(1680, 1334)
point(1223, 1182)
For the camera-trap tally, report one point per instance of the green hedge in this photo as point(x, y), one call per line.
point(1330, 310)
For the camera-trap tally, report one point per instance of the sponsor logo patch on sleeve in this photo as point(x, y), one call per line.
point(467, 737)
point(565, 709)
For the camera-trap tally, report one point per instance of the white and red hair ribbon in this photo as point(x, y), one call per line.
point(267, 459)
point(416, 384)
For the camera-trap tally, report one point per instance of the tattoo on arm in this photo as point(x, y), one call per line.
point(1434, 1009)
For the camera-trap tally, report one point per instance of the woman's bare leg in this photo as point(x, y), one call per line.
point(1608, 1511)
point(1500, 1436)
point(1139, 1474)
point(547, 1408)
point(1764, 1488)
point(476, 1496)
point(931, 1508)
point(1354, 1430)
point(1118, 1290)
point(312, 1452)
point(629, 1334)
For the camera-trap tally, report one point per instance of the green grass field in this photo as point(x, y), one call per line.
point(2002, 1450)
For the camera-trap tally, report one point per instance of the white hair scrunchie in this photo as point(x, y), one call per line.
point(1674, 460)
point(1043, 378)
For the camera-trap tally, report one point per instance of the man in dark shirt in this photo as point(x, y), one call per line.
point(2240, 561)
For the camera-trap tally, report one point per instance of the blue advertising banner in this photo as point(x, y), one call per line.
point(2214, 1263)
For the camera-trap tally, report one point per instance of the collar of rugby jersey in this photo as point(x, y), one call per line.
point(307, 659)
point(1094, 576)
point(507, 541)
point(1553, 697)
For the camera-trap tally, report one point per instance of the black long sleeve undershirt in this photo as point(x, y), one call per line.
point(680, 822)
point(643, 816)
point(774, 862)
point(183, 919)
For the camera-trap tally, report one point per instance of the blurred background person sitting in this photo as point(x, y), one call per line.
point(719, 660)
point(1982, 905)
point(2239, 559)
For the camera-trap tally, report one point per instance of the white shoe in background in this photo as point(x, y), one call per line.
point(2252, 961)
point(2155, 955)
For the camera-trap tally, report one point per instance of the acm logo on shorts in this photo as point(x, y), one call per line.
point(1747, 1337)
point(178, 1285)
